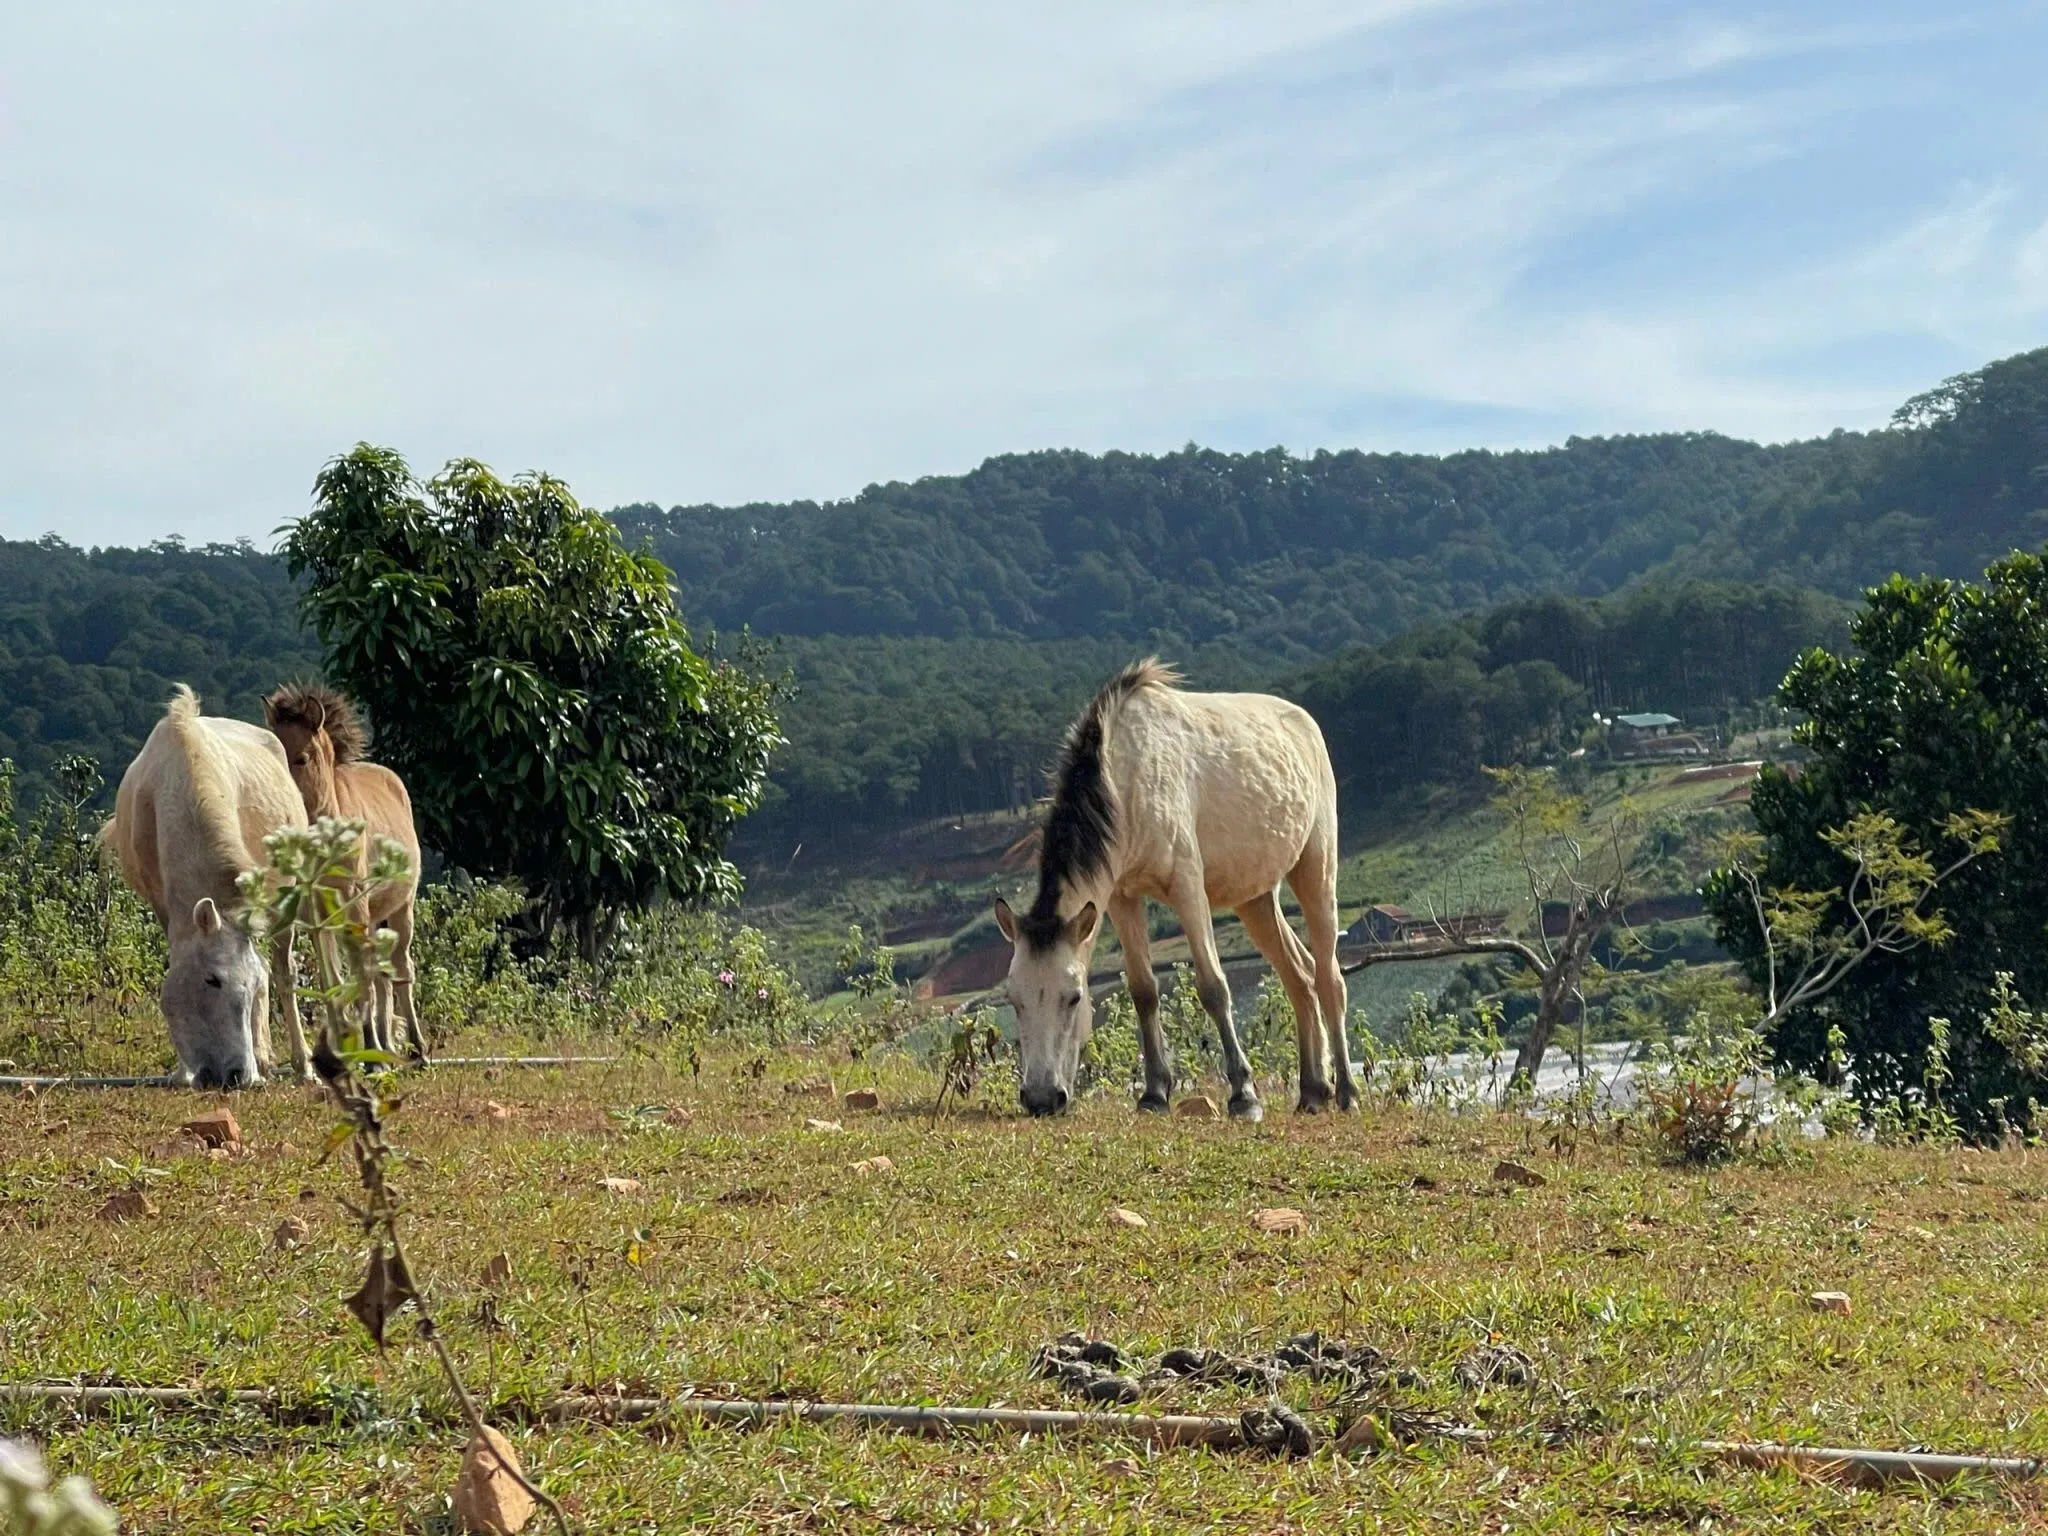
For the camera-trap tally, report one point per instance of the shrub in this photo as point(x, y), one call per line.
point(81, 955)
point(1699, 1109)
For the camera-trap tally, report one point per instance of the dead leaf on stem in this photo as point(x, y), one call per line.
point(387, 1288)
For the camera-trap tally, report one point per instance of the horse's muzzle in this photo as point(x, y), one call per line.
point(1042, 1101)
point(219, 1077)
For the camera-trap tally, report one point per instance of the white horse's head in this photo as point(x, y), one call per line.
point(1049, 991)
point(212, 992)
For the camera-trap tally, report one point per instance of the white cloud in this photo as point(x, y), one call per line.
point(736, 250)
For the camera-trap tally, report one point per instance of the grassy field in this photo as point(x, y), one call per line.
point(1653, 1301)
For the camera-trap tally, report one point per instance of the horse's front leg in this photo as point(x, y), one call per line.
point(1192, 903)
point(259, 1026)
point(285, 982)
point(1127, 916)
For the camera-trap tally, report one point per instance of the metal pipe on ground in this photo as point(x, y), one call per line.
point(1853, 1464)
point(1147, 1429)
point(82, 1080)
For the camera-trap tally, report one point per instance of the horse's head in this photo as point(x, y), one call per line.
point(299, 718)
point(212, 992)
point(1049, 991)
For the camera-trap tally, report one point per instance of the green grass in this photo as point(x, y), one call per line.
point(1671, 1301)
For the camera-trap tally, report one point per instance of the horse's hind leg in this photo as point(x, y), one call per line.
point(401, 982)
point(380, 1013)
point(1127, 916)
point(1314, 881)
point(1267, 925)
point(1192, 903)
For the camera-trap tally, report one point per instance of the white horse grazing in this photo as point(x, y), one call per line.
point(1199, 800)
point(190, 816)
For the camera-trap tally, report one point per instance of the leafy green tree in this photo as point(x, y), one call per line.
point(1935, 734)
point(532, 682)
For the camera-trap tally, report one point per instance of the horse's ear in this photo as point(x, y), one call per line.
point(1006, 920)
point(318, 708)
point(1081, 926)
point(206, 917)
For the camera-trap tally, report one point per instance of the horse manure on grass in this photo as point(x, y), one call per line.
point(1091, 1369)
point(1495, 1365)
point(1356, 1368)
point(1277, 1429)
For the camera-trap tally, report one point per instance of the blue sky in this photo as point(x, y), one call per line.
point(748, 250)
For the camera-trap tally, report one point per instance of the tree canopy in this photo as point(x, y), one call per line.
point(1942, 713)
point(1520, 681)
point(533, 683)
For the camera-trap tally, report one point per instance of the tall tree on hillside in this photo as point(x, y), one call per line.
point(1941, 715)
point(531, 680)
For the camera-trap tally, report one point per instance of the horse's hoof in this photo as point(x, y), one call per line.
point(1250, 1110)
point(1153, 1102)
point(1347, 1099)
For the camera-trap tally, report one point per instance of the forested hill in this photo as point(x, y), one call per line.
point(1295, 556)
point(1289, 556)
point(940, 631)
point(91, 643)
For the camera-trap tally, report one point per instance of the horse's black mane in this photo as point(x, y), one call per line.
point(1080, 824)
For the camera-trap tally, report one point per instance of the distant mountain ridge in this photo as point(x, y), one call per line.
point(1295, 556)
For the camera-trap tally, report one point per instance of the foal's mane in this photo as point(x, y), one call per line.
point(1080, 823)
point(315, 706)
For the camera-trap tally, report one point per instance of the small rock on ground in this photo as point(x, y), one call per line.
point(290, 1232)
point(1831, 1301)
point(873, 1165)
point(1197, 1106)
point(217, 1128)
point(620, 1186)
point(1120, 1217)
point(129, 1205)
point(862, 1098)
point(1280, 1218)
point(1515, 1173)
point(824, 1127)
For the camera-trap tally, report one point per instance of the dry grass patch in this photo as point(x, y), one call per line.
point(753, 1259)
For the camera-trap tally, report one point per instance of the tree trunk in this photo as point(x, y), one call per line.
point(1549, 1014)
point(1560, 982)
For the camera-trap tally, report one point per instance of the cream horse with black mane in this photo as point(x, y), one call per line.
point(1199, 800)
